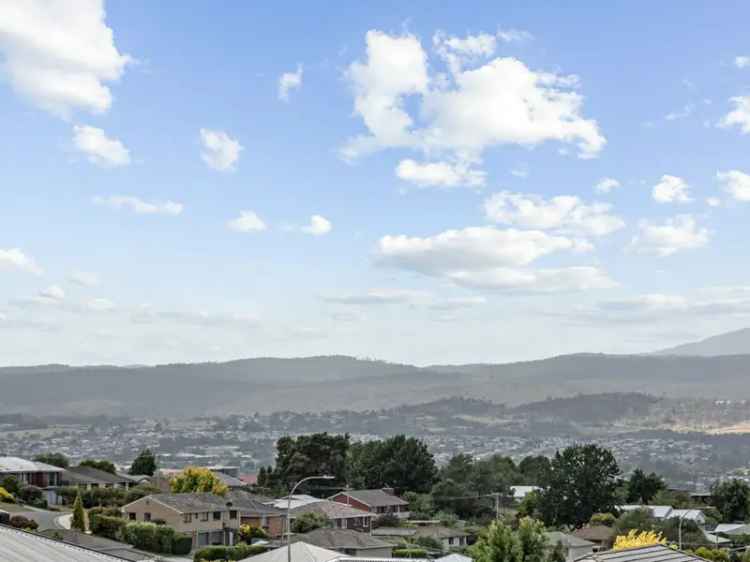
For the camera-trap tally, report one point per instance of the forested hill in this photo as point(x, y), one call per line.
point(339, 382)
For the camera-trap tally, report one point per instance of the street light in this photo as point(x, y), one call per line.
point(289, 511)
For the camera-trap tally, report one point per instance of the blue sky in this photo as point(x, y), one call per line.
point(406, 180)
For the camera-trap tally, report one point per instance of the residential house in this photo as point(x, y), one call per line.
point(33, 473)
point(20, 546)
point(694, 515)
point(573, 546)
point(454, 557)
point(378, 502)
point(299, 551)
point(89, 477)
point(449, 537)
point(209, 519)
point(351, 543)
point(255, 513)
point(342, 516)
point(657, 511)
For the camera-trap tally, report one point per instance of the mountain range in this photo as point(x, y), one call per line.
point(339, 382)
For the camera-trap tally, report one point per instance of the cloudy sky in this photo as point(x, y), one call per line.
point(402, 180)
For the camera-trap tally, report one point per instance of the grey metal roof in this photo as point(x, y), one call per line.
point(99, 544)
point(86, 474)
point(246, 502)
point(332, 510)
point(15, 464)
point(20, 546)
point(394, 531)
point(336, 539)
point(301, 552)
point(375, 498)
point(655, 553)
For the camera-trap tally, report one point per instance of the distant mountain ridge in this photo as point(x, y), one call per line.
point(340, 382)
point(731, 343)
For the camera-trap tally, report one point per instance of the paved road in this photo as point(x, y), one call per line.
point(48, 519)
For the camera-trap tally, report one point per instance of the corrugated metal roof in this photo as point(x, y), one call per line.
point(20, 546)
point(655, 553)
point(15, 464)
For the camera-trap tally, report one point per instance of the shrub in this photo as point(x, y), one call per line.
point(388, 520)
point(164, 537)
point(107, 526)
point(6, 496)
point(142, 536)
point(32, 496)
point(182, 544)
point(409, 553)
point(309, 522)
point(239, 552)
point(606, 519)
point(11, 484)
point(249, 532)
point(21, 522)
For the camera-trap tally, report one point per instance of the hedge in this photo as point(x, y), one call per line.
point(107, 526)
point(211, 553)
point(182, 544)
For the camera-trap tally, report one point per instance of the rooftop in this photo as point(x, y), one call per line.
point(301, 552)
point(332, 510)
point(336, 539)
point(655, 553)
point(89, 474)
point(14, 464)
point(374, 498)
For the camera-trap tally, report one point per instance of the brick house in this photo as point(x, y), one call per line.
point(31, 473)
point(378, 502)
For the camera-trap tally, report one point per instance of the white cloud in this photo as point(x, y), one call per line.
point(318, 226)
point(220, 151)
point(15, 259)
point(742, 61)
point(713, 201)
point(100, 149)
point(736, 183)
point(579, 278)
point(379, 296)
point(675, 234)
point(739, 116)
point(686, 111)
point(248, 221)
point(59, 55)
point(52, 294)
point(658, 307)
point(456, 51)
point(606, 185)
point(84, 278)
point(513, 35)
point(565, 213)
point(290, 81)
point(500, 102)
point(439, 174)
point(470, 248)
point(671, 189)
point(139, 206)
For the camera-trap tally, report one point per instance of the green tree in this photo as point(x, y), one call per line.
point(403, 463)
point(11, 484)
point(581, 482)
point(104, 465)
point(314, 454)
point(55, 459)
point(193, 479)
point(309, 522)
point(731, 499)
point(642, 487)
point(144, 463)
point(534, 469)
point(558, 553)
point(498, 543)
point(79, 516)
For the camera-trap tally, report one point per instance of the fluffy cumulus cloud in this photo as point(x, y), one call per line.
point(489, 258)
point(290, 81)
point(318, 226)
point(739, 116)
point(439, 174)
point(59, 56)
point(674, 235)
point(606, 185)
point(220, 151)
point(248, 221)
point(736, 184)
point(139, 206)
point(13, 259)
point(671, 189)
point(99, 148)
point(478, 104)
point(564, 213)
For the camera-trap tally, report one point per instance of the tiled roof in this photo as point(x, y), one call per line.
point(188, 503)
point(375, 498)
point(332, 510)
point(655, 553)
point(81, 474)
point(246, 502)
point(441, 532)
point(301, 552)
point(336, 539)
point(595, 533)
point(554, 537)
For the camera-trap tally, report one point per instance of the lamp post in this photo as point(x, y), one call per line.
point(289, 511)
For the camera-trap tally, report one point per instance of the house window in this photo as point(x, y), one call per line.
point(187, 518)
point(131, 516)
point(147, 516)
point(233, 514)
point(217, 515)
point(204, 516)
